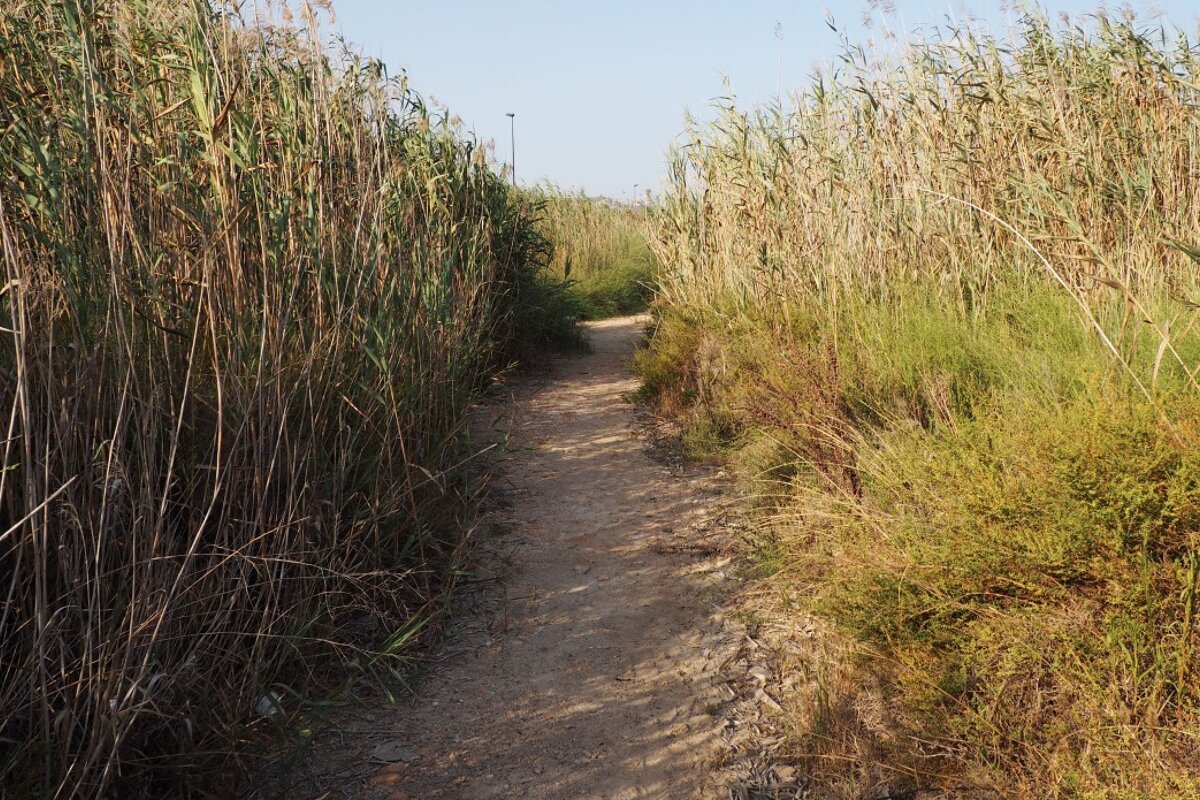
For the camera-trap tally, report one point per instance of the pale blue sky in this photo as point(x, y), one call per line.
point(600, 87)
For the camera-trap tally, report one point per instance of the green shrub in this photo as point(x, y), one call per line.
point(987, 504)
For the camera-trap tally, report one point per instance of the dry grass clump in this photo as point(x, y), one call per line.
point(940, 316)
point(601, 247)
point(250, 287)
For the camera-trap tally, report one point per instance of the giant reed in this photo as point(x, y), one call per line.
point(250, 287)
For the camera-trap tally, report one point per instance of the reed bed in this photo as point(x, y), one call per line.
point(601, 247)
point(250, 288)
point(964, 162)
point(940, 313)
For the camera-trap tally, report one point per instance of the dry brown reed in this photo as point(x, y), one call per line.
point(250, 288)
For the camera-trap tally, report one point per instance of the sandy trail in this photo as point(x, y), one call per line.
point(588, 669)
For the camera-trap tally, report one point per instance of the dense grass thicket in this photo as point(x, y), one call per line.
point(601, 248)
point(941, 314)
point(250, 288)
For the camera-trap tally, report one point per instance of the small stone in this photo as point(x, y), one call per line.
point(785, 774)
point(388, 775)
point(389, 769)
point(766, 699)
point(760, 674)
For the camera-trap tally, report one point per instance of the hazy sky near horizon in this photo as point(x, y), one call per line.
point(600, 88)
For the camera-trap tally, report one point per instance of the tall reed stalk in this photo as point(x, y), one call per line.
point(250, 288)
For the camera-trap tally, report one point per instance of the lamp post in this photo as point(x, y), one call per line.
point(512, 131)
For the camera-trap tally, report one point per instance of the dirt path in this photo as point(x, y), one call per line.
point(588, 670)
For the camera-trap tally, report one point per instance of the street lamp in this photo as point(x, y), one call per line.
point(512, 121)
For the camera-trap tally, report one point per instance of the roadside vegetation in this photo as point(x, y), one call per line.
point(601, 249)
point(941, 315)
point(250, 288)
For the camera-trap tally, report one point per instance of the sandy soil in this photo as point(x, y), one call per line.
point(590, 667)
